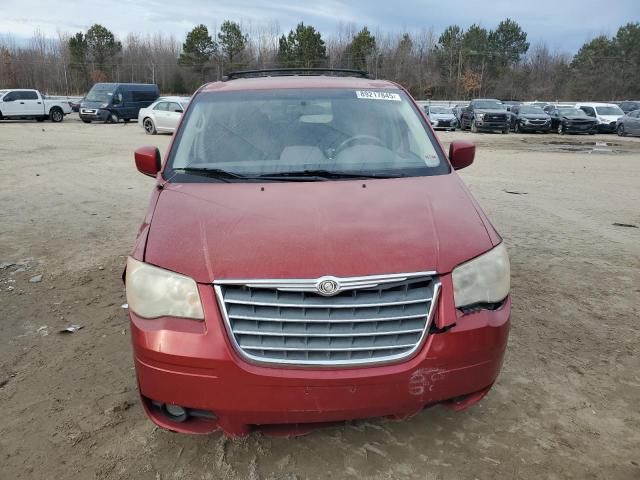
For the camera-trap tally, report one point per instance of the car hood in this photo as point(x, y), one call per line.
point(213, 231)
point(534, 116)
point(574, 118)
point(86, 104)
point(610, 118)
point(491, 111)
point(442, 116)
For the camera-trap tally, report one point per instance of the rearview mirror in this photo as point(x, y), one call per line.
point(461, 154)
point(148, 160)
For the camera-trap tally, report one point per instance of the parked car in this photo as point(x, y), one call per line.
point(571, 120)
point(31, 104)
point(629, 124)
point(457, 111)
point(628, 105)
point(527, 118)
point(75, 105)
point(509, 104)
point(163, 115)
point(605, 114)
point(441, 118)
point(112, 102)
point(310, 255)
point(485, 115)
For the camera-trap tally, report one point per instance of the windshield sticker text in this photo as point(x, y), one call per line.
point(377, 95)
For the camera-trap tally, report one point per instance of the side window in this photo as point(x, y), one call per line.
point(515, 109)
point(10, 97)
point(589, 111)
point(161, 106)
point(28, 95)
point(634, 114)
point(174, 107)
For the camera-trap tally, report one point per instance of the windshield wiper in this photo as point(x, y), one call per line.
point(218, 173)
point(305, 175)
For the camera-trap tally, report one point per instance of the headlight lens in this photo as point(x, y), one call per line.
point(153, 292)
point(483, 280)
point(104, 105)
point(480, 116)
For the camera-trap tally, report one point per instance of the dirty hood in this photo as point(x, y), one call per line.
point(306, 230)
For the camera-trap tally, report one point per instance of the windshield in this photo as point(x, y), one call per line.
point(532, 110)
point(490, 105)
point(609, 110)
point(275, 132)
point(100, 93)
point(574, 112)
point(440, 110)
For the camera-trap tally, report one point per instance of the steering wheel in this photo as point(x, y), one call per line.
point(360, 139)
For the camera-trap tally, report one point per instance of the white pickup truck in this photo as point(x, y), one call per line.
point(24, 103)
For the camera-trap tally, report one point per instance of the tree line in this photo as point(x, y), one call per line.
point(457, 64)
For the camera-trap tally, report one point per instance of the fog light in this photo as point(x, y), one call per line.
point(175, 412)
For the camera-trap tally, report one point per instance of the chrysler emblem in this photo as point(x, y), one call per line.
point(327, 287)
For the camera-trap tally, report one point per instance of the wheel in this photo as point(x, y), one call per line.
point(621, 131)
point(474, 127)
point(516, 128)
point(560, 129)
point(149, 127)
point(113, 118)
point(56, 115)
point(86, 120)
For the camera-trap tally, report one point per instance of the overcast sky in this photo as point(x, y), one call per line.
point(564, 24)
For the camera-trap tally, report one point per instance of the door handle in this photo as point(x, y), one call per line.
point(39, 103)
point(21, 103)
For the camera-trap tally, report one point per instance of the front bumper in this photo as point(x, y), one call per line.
point(530, 127)
point(94, 114)
point(193, 364)
point(606, 127)
point(492, 125)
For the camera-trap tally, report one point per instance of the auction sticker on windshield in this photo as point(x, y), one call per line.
point(377, 95)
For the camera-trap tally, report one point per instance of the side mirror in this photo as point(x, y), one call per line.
point(461, 154)
point(148, 160)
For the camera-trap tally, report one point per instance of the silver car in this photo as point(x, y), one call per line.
point(629, 124)
point(441, 117)
point(163, 115)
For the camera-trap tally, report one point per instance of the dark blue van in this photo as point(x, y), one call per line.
point(112, 102)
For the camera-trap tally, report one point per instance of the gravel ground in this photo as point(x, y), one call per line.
point(567, 404)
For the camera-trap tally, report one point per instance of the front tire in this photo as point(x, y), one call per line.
point(56, 115)
point(114, 118)
point(149, 126)
point(474, 127)
point(560, 129)
point(516, 128)
point(620, 131)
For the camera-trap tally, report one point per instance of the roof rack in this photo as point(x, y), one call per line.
point(283, 72)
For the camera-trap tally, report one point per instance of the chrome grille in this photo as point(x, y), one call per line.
point(371, 319)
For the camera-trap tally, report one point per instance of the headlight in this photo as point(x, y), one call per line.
point(480, 116)
point(104, 105)
point(153, 292)
point(483, 280)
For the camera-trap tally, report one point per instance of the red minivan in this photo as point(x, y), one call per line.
point(309, 255)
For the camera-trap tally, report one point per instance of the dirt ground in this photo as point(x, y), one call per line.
point(566, 406)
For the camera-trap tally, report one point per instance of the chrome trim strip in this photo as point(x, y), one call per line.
point(311, 284)
point(302, 305)
point(354, 334)
point(323, 349)
point(337, 320)
point(329, 363)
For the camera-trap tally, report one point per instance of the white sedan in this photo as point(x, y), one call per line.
point(163, 115)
